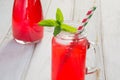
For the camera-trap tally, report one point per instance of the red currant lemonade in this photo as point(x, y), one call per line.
point(68, 58)
point(26, 15)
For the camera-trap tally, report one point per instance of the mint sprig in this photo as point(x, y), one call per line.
point(58, 24)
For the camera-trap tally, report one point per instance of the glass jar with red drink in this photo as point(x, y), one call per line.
point(26, 14)
point(69, 56)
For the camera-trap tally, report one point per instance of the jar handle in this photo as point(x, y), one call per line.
point(92, 58)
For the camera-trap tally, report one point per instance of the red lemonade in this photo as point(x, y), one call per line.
point(25, 18)
point(68, 60)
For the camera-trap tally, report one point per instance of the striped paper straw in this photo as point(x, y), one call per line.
point(87, 18)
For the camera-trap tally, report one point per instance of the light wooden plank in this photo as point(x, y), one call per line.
point(45, 6)
point(65, 5)
point(40, 66)
point(5, 16)
point(81, 7)
point(111, 31)
point(14, 59)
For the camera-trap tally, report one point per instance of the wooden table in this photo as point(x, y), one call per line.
point(32, 62)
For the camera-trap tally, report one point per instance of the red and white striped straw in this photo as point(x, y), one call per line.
point(87, 18)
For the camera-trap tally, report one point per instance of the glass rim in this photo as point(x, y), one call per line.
point(70, 36)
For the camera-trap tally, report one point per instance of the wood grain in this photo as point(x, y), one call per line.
point(111, 38)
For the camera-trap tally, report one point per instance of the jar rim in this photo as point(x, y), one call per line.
point(70, 36)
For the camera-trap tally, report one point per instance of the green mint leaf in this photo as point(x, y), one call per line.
point(59, 16)
point(68, 28)
point(48, 23)
point(57, 30)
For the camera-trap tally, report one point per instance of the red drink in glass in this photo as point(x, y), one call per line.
point(68, 58)
point(26, 15)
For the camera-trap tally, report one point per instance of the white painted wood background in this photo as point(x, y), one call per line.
point(32, 62)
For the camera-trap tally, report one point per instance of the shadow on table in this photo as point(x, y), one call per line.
point(14, 60)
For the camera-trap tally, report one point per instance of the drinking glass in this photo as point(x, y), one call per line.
point(25, 18)
point(69, 55)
